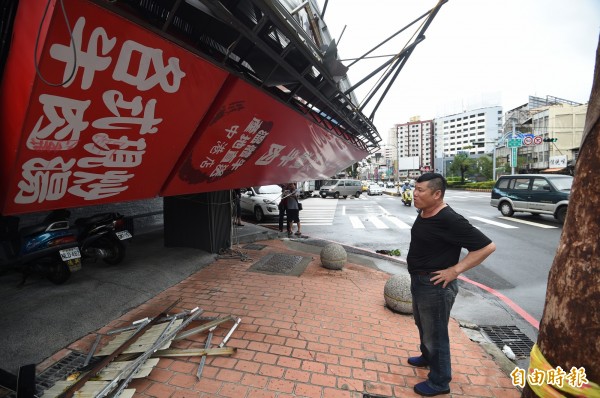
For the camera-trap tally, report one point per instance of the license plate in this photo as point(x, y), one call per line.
point(122, 235)
point(68, 254)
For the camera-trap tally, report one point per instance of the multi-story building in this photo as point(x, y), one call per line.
point(472, 131)
point(549, 118)
point(562, 123)
point(413, 147)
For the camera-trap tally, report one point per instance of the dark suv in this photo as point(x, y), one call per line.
point(533, 193)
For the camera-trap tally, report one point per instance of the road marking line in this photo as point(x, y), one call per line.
point(535, 224)
point(344, 210)
point(376, 221)
point(356, 223)
point(398, 223)
point(384, 211)
point(498, 224)
point(532, 321)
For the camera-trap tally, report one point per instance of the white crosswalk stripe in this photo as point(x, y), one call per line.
point(356, 223)
point(397, 222)
point(498, 224)
point(535, 224)
point(374, 219)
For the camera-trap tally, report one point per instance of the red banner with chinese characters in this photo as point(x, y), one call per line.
point(118, 113)
point(128, 105)
point(252, 139)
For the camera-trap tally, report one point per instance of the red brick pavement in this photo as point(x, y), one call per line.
point(325, 334)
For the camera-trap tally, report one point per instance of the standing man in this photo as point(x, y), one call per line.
point(437, 237)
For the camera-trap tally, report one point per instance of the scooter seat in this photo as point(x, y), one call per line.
point(36, 229)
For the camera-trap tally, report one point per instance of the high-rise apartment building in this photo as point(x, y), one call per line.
point(414, 143)
point(473, 131)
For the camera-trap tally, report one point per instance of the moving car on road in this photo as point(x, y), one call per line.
point(343, 187)
point(374, 189)
point(533, 193)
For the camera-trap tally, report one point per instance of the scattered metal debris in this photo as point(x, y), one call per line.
point(135, 350)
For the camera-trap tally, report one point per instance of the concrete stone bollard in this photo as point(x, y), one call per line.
point(333, 256)
point(397, 294)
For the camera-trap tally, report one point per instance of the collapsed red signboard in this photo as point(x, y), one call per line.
point(251, 139)
point(118, 113)
point(112, 132)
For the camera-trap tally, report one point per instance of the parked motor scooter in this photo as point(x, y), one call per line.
point(100, 236)
point(49, 249)
point(407, 197)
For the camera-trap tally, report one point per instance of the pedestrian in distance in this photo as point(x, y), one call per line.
point(293, 210)
point(282, 206)
point(237, 196)
point(437, 238)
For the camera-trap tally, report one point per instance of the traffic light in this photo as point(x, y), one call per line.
point(550, 139)
point(508, 158)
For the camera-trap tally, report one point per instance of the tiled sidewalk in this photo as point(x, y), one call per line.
point(324, 334)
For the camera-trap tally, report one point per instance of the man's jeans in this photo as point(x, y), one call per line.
point(431, 309)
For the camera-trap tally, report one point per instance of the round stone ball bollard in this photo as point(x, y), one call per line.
point(333, 256)
point(397, 294)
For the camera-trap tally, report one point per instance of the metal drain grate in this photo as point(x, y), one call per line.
point(58, 371)
point(373, 396)
point(254, 246)
point(511, 336)
point(285, 264)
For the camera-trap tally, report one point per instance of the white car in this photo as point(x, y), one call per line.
point(374, 189)
point(261, 201)
point(390, 184)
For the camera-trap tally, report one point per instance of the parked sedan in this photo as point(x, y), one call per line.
point(261, 201)
point(374, 189)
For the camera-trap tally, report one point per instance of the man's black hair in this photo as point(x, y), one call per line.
point(435, 181)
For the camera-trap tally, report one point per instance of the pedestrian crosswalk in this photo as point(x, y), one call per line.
point(373, 216)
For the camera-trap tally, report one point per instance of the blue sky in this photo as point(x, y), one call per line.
point(476, 52)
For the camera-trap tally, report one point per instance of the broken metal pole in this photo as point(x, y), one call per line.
point(92, 351)
point(202, 328)
point(206, 346)
point(235, 325)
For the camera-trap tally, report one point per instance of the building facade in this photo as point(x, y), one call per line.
point(558, 124)
point(473, 131)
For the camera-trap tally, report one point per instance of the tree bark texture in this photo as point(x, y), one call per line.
point(570, 327)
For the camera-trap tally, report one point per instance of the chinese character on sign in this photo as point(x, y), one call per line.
point(65, 130)
point(44, 180)
point(558, 161)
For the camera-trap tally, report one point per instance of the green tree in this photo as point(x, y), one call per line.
point(461, 164)
point(483, 167)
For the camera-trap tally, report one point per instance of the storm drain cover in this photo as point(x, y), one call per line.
point(254, 246)
point(511, 336)
point(281, 264)
point(59, 371)
point(373, 396)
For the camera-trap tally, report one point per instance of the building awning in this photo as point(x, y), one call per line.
point(552, 170)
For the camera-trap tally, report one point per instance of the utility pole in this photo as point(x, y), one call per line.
point(513, 161)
